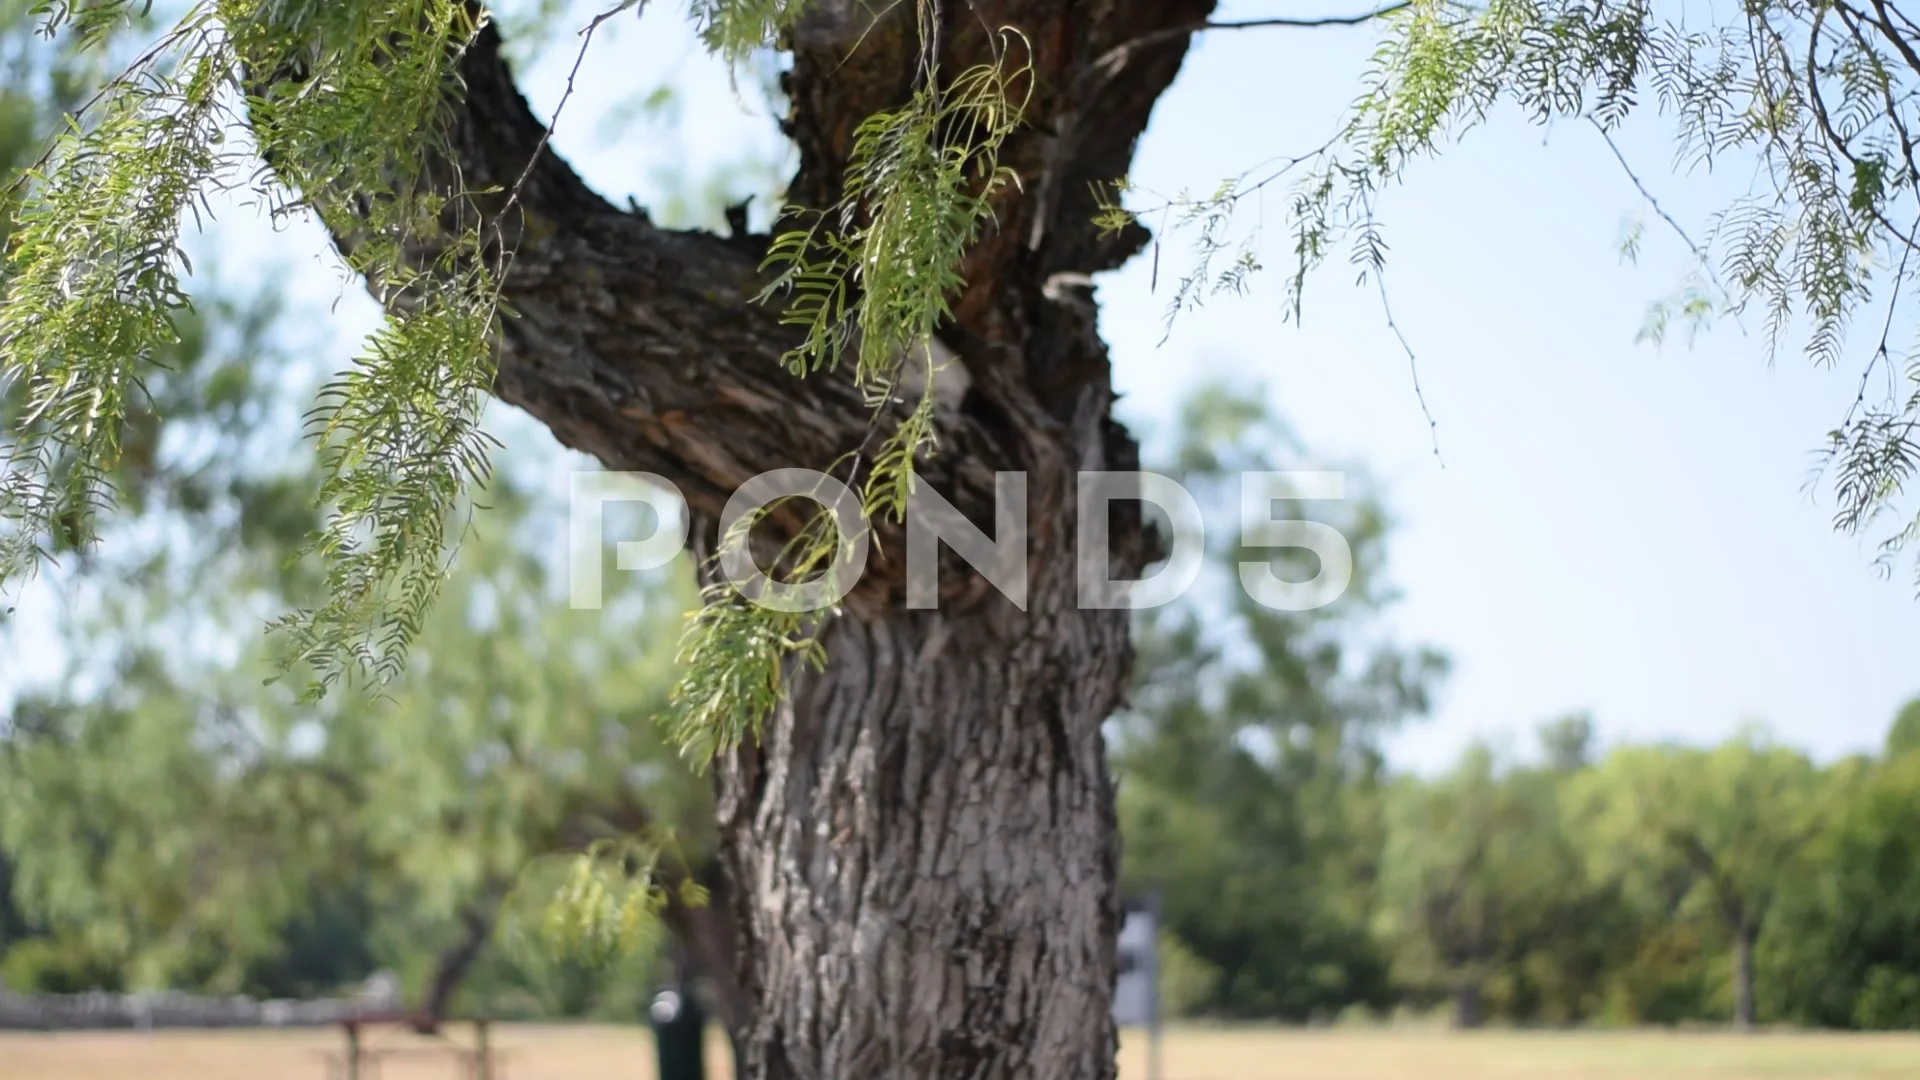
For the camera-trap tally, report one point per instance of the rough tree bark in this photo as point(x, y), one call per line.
point(922, 847)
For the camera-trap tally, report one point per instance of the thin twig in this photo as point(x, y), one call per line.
point(1113, 60)
point(546, 136)
point(1883, 353)
point(1328, 20)
point(1413, 366)
point(1413, 362)
point(1678, 229)
point(1699, 253)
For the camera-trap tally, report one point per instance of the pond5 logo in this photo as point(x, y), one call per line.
point(1000, 558)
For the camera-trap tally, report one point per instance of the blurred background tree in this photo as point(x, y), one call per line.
point(168, 820)
point(1481, 893)
point(1710, 833)
point(1249, 763)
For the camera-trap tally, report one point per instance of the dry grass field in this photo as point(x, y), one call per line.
point(599, 1053)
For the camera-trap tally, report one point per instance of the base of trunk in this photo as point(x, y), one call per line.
point(1469, 1010)
point(1743, 1010)
point(924, 851)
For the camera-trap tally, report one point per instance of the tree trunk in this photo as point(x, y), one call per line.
point(922, 845)
point(926, 839)
point(708, 944)
point(1743, 942)
point(476, 927)
point(1469, 1010)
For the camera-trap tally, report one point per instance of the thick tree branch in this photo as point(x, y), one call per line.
point(476, 927)
point(639, 345)
point(644, 347)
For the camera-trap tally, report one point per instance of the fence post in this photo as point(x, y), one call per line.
point(353, 1050)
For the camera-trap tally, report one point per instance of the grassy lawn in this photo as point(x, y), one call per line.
point(600, 1053)
point(1422, 1055)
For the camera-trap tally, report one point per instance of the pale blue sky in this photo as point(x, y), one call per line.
point(1617, 528)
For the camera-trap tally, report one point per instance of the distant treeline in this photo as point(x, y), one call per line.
point(1652, 885)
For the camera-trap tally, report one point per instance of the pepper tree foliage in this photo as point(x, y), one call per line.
point(1815, 99)
point(344, 98)
point(868, 280)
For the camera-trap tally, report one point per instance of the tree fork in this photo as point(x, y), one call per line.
point(922, 846)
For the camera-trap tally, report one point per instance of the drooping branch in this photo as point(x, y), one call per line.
point(704, 930)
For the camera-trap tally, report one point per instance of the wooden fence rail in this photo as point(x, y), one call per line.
point(96, 1011)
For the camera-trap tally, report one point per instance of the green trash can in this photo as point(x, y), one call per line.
point(679, 1034)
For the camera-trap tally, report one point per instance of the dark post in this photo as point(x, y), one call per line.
point(353, 1051)
point(482, 1052)
point(1155, 1020)
point(1136, 993)
point(679, 1033)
